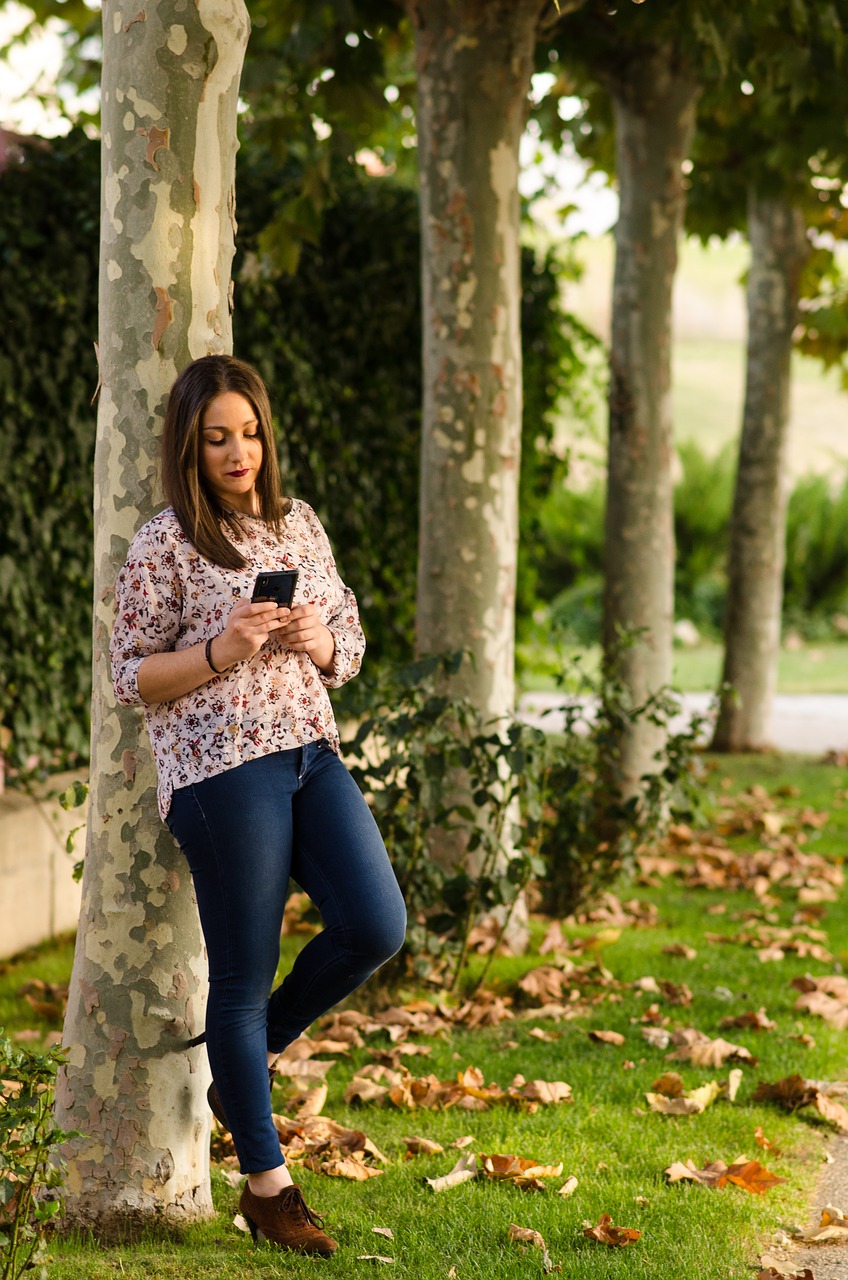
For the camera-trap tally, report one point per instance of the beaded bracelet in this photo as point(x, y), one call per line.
point(209, 656)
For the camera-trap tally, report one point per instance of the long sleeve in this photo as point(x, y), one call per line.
point(343, 617)
point(149, 609)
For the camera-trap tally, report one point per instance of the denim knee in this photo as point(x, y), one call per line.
point(378, 939)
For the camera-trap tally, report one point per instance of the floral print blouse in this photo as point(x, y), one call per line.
point(169, 596)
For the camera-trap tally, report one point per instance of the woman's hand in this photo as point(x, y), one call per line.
point(248, 627)
point(304, 632)
point(162, 677)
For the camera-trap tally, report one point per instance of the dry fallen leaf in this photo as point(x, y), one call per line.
point(374, 1257)
point(763, 1142)
point(606, 1233)
point(523, 1172)
point(734, 1080)
point(607, 1037)
point(670, 1084)
point(747, 1174)
point(752, 1020)
point(791, 1093)
point(832, 1111)
point(680, 949)
point(384, 1231)
point(421, 1147)
point(527, 1236)
point(465, 1170)
point(569, 1187)
point(695, 1047)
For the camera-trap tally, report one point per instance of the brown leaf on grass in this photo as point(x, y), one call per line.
point(319, 1135)
point(670, 1084)
point(832, 1111)
point(363, 1090)
point(680, 949)
point(765, 1143)
point(824, 1006)
point(657, 1037)
point(691, 1103)
point(344, 1167)
point(709, 1176)
point(606, 1233)
point(547, 1037)
point(543, 983)
point(527, 1236)
point(547, 1092)
point(607, 1037)
point(833, 1228)
point(675, 992)
point(791, 1093)
point(695, 1047)
point(485, 1013)
point(384, 1231)
point(421, 1147)
point(569, 1187)
point(465, 1170)
point(304, 1071)
point(463, 1142)
point(519, 1170)
point(553, 939)
point(747, 1174)
point(752, 1177)
point(647, 986)
point(486, 936)
point(832, 984)
point(374, 1257)
point(734, 1080)
point(752, 1020)
point(309, 1102)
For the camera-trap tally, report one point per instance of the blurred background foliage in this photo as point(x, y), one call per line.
point(339, 345)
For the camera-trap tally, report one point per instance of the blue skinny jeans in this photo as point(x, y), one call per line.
point(244, 832)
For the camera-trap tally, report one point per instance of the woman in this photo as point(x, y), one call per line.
point(250, 780)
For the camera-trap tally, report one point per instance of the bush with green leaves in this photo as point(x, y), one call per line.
point(431, 767)
point(531, 806)
point(589, 832)
point(30, 1169)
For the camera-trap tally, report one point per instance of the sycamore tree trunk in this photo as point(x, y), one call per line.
point(132, 1085)
point(779, 249)
point(475, 58)
point(654, 103)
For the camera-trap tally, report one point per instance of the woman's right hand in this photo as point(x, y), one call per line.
point(162, 677)
point(247, 628)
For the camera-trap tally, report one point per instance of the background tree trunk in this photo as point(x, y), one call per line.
point(134, 1089)
point(654, 103)
point(474, 65)
point(779, 249)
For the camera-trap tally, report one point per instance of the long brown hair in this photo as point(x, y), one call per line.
point(203, 518)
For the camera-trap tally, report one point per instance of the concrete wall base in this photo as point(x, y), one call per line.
point(38, 895)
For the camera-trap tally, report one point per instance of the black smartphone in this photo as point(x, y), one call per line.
point(278, 587)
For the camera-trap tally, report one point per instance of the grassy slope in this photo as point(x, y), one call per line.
point(616, 1150)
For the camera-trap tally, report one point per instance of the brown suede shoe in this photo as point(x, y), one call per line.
point(214, 1102)
point(286, 1220)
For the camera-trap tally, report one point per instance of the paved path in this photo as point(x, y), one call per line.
point(810, 723)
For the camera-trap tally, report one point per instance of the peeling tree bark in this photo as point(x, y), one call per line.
point(779, 249)
point(654, 102)
point(170, 86)
point(475, 59)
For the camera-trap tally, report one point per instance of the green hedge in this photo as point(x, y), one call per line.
point(339, 345)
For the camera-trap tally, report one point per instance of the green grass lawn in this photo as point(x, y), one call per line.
point(816, 668)
point(607, 1137)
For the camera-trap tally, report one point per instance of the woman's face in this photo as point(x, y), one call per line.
point(231, 451)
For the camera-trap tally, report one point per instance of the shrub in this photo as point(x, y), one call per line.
point(30, 1172)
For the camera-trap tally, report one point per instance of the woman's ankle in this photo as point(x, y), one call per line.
point(270, 1182)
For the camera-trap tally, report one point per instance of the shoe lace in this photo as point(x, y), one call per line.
point(292, 1201)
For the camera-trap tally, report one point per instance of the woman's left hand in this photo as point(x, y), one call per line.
point(304, 632)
